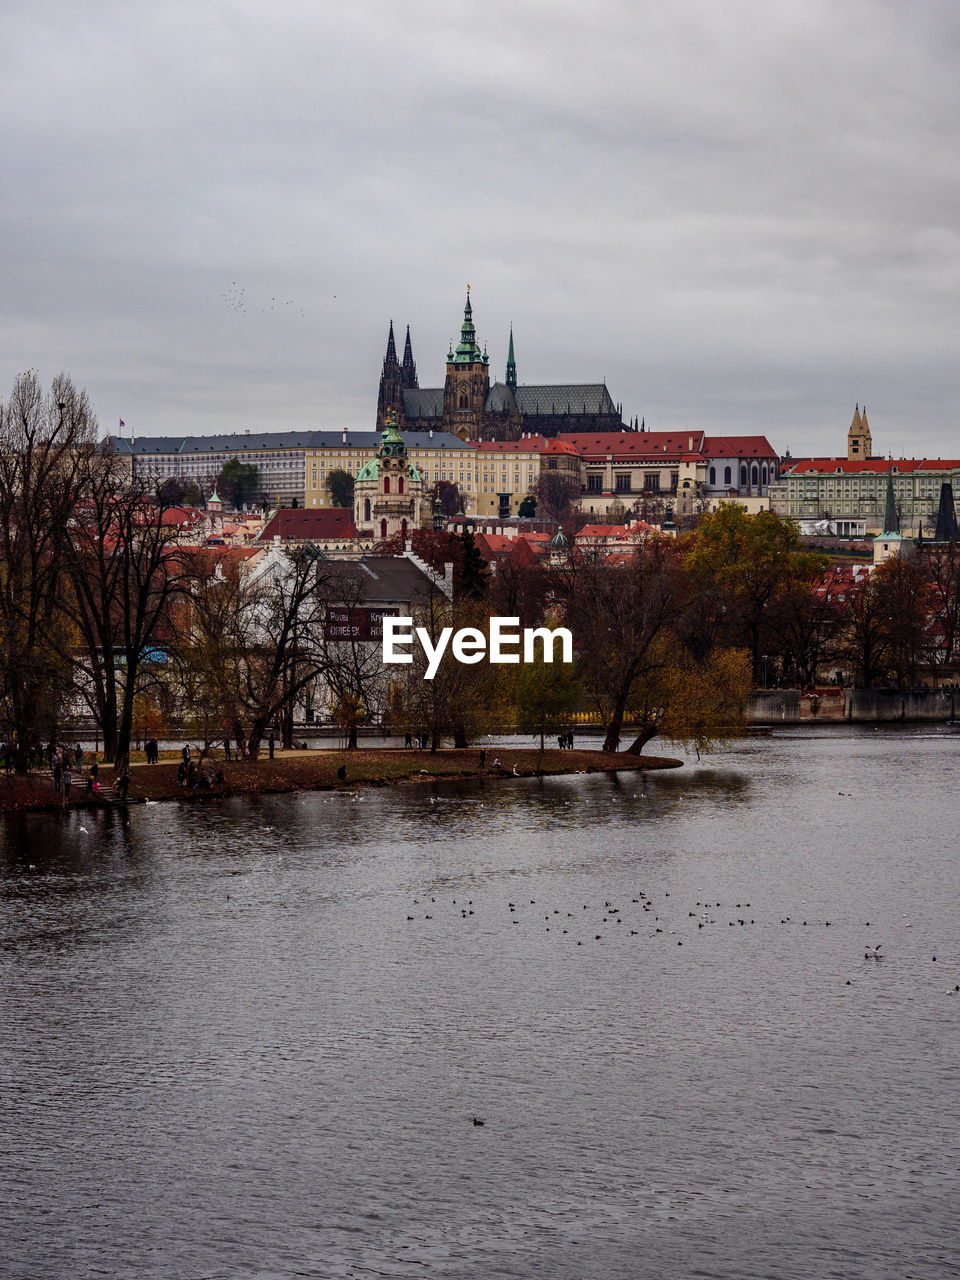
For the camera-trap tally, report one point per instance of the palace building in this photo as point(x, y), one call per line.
point(472, 407)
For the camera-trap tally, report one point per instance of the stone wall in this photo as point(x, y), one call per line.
point(856, 706)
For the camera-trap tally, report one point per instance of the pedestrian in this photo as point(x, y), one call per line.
point(561, 740)
point(181, 774)
point(92, 776)
point(78, 756)
point(270, 745)
point(408, 740)
point(185, 755)
point(57, 776)
point(226, 750)
point(123, 782)
point(483, 758)
point(67, 784)
point(192, 776)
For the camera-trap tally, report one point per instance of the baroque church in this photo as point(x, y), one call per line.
point(472, 407)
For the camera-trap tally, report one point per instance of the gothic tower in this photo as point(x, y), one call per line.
point(409, 368)
point(390, 397)
point(859, 443)
point(467, 383)
point(511, 365)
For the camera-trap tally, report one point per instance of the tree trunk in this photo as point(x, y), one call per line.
point(459, 736)
point(640, 741)
point(352, 738)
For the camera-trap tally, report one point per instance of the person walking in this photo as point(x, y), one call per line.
point(57, 776)
point(78, 756)
point(67, 783)
point(123, 782)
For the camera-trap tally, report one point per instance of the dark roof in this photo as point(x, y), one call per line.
point(307, 524)
point(423, 402)
point(565, 397)
point(145, 446)
point(499, 398)
point(383, 579)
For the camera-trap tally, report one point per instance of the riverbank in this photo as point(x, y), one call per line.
point(321, 771)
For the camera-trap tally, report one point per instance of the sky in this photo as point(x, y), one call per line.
point(743, 216)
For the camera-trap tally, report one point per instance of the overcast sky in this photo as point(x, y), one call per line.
point(744, 216)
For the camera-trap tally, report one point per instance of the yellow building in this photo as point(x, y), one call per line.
point(437, 455)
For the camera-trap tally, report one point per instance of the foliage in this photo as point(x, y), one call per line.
point(451, 499)
point(528, 507)
point(340, 485)
point(237, 483)
point(546, 695)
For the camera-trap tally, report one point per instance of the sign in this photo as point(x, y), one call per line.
point(355, 624)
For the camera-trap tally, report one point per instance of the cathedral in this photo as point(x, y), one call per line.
point(472, 407)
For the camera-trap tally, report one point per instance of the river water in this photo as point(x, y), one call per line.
point(253, 1038)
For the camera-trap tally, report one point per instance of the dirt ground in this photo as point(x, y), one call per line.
point(317, 771)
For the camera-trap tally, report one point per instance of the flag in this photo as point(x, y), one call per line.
point(122, 424)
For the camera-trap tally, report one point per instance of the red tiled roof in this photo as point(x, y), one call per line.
point(738, 447)
point(308, 525)
point(873, 466)
point(634, 444)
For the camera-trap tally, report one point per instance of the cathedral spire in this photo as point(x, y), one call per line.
point(391, 356)
point(511, 365)
point(468, 350)
point(409, 365)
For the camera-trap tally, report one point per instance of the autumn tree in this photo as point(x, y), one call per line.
point(449, 495)
point(545, 696)
point(741, 565)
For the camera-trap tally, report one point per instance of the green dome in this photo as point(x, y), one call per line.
point(370, 470)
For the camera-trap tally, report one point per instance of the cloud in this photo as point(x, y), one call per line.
point(742, 215)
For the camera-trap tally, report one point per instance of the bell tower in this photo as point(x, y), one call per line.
point(467, 383)
point(859, 443)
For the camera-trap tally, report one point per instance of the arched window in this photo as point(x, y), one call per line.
point(399, 484)
point(743, 476)
point(713, 475)
point(764, 473)
point(463, 400)
point(366, 510)
point(386, 484)
point(754, 475)
point(727, 476)
point(383, 528)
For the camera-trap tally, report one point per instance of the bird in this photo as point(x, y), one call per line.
point(873, 953)
point(478, 1123)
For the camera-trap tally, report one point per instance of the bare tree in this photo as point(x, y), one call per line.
point(44, 439)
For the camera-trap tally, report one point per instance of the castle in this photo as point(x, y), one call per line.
point(468, 405)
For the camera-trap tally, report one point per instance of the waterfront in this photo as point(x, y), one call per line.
point(251, 1039)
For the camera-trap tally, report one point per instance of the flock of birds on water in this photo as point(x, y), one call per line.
point(640, 913)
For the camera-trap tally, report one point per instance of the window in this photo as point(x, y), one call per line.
point(400, 486)
point(386, 485)
point(743, 476)
point(594, 484)
point(727, 476)
point(651, 482)
point(622, 482)
point(713, 475)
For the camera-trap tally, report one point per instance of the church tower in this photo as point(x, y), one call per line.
point(511, 365)
point(390, 397)
point(859, 443)
point(409, 368)
point(388, 491)
point(467, 383)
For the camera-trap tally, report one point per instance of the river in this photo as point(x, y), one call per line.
point(254, 1038)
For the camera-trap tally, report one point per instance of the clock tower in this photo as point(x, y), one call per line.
point(467, 383)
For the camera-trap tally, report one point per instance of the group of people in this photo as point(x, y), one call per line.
point(565, 740)
point(64, 763)
point(416, 740)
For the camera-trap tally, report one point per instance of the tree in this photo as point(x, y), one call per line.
point(557, 494)
point(528, 507)
point(941, 567)
point(126, 569)
point(262, 633)
point(547, 694)
point(470, 575)
point(237, 483)
point(451, 499)
point(339, 484)
point(621, 616)
point(43, 441)
point(905, 602)
point(742, 564)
